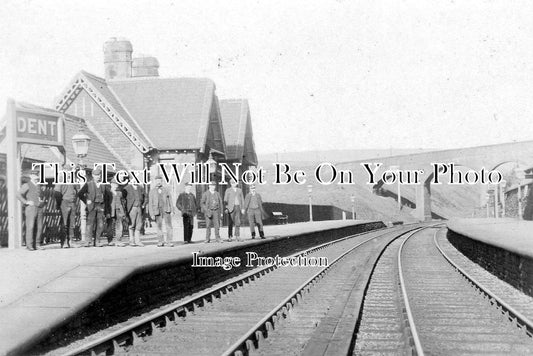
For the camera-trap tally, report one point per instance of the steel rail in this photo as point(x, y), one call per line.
point(129, 334)
point(519, 317)
point(416, 339)
point(260, 330)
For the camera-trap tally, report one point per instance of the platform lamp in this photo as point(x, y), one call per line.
point(81, 142)
point(521, 175)
point(487, 196)
point(503, 183)
point(352, 198)
point(309, 192)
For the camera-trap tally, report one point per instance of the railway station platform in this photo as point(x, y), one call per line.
point(58, 290)
point(509, 234)
point(504, 247)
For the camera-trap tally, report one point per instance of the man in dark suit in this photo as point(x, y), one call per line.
point(97, 198)
point(161, 209)
point(234, 201)
point(118, 214)
point(253, 204)
point(212, 207)
point(31, 195)
point(186, 203)
point(67, 201)
point(135, 204)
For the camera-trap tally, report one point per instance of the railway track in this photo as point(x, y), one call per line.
point(518, 300)
point(236, 318)
point(451, 313)
point(419, 301)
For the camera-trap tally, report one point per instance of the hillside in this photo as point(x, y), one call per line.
point(447, 200)
point(334, 156)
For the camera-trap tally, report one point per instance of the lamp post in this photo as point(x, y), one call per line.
point(352, 198)
point(521, 175)
point(310, 191)
point(488, 205)
point(503, 183)
point(81, 142)
point(396, 169)
point(496, 201)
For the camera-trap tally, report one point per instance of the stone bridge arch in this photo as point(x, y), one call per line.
point(487, 157)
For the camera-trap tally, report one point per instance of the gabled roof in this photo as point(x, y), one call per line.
point(174, 112)
point(154, 112)
point(238, 130)
point(106, 91)
point(98, 90)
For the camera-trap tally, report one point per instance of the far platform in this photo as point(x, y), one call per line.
point(51, 285)
point(509, 234)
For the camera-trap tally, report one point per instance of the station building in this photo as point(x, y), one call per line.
point(147, 119)
point(137, 119)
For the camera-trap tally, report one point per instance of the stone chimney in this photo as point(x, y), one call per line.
point(117, 58)
point(145, 66)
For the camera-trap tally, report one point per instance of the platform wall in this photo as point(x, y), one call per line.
point(161, 283)
point(515, 269)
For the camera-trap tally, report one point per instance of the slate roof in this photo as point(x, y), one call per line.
point(173, 112)
point(236, 120)
point(103, 88)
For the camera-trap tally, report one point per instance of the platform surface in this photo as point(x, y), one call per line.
point(510, 234)
point(53, 284)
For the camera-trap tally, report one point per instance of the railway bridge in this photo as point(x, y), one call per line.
point(475, 158)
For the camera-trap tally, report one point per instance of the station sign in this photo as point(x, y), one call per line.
point(25, 124)
point(39, 127)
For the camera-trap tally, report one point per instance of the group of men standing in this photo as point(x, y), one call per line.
point(235, 206)
point(127, 206)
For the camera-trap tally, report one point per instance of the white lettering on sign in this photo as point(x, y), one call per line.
point(36, 126)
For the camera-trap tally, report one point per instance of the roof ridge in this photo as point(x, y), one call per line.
point(92, 76)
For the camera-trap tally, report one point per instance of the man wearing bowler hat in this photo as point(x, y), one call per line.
point(186, 203)
point(31, 195)
point(97, 198)
point(212, 207)
point(135, 204)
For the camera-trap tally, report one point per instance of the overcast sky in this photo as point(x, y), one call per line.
point(318, 74)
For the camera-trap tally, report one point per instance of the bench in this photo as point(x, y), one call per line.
point(279, 218)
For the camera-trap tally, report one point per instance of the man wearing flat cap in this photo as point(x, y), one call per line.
point(31, 195)
point(160, 208)
point(186, 203)
point(97, 199)
point(234, 201)
point(212, 207)
point(253, 204)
